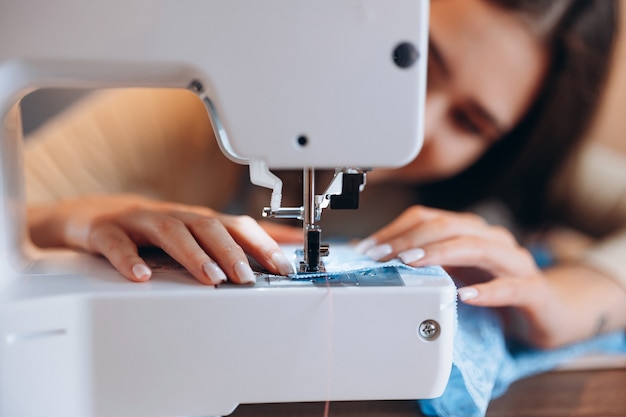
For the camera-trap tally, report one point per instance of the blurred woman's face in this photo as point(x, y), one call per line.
point(484, 70)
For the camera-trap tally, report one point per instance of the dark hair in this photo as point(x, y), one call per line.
point(580, 36)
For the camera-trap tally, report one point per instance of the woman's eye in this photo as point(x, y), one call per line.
point(465, 123)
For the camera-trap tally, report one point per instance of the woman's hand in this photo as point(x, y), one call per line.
point(557, 306)
point(210, 245)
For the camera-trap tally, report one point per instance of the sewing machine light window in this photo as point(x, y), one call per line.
point(41, 105)
point(405, 55)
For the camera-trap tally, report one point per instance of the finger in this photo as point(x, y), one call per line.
point(473, 251)
point(446, 227)
point(420, 225)
point(501, 292)
point(258, 243)
point(216, 240)
point(409, 244)
point(173, 236)
point(408, 219)
point(115, 245)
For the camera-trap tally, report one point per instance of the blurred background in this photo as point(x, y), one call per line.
point(610, 126)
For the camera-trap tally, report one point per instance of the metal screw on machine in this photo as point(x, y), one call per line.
point(429, 329)
point(196, 86)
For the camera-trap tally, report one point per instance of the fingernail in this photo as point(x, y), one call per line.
point(365, 245)
point(379, 252)
point(467, 293)
point(214, 272)
point(244, 273)
point(142, 272)
point(282, 263)
point(411, 255)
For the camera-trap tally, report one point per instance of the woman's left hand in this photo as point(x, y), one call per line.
point(495, 269)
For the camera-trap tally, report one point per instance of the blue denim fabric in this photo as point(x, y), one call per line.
point(484, 365)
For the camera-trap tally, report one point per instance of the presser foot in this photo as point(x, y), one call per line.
point(314, 250)
point(311, 264)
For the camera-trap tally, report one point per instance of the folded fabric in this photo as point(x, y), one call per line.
point(484, 364)
point(343, 259)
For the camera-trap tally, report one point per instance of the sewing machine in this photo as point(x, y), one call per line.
point(288, 84)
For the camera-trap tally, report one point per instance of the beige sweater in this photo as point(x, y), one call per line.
point(160, 143)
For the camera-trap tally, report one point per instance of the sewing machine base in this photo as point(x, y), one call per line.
point(88, 343)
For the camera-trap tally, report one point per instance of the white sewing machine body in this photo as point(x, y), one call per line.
point(78, 340)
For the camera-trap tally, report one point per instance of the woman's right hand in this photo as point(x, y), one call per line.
point(212, 246)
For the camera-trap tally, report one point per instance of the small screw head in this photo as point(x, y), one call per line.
point(196, 86)
point(429, 329)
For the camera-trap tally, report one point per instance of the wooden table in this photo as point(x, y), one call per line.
point(569, 393)
point(599, 393)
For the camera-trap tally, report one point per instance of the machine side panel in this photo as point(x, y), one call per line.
point(45, 358)
point(194, 351)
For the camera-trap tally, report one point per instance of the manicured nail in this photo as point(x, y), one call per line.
point(411, 255)
point(379, 252)
point(214, 272)
point(365, 245)
point(244, 273)
point(467, 293)
point(282, 263)
point(141, 272)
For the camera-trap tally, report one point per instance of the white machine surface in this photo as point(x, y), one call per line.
point(288, 84)
point(78, 341)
